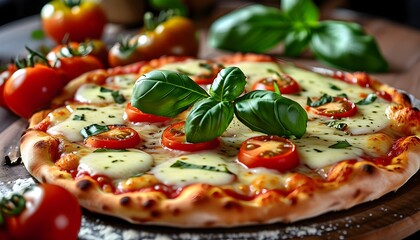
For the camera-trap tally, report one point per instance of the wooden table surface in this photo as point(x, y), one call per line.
point(399, 44)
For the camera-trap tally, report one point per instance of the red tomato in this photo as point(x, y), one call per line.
point(135, 115)
point(285, 83)
point(51, 213)
point(115, 138)
point(72, 67)
point(338, 108)
point(360, 78)
point(79, 20)
point(31, 89)
point(124, 53)
point(270, 152)
point(173, 137)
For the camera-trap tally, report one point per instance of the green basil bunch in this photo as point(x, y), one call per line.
point(167, 93)
point(258, 28)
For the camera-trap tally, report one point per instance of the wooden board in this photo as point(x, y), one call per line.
point(394, 216)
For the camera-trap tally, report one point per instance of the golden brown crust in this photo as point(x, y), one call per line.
point(348, 183)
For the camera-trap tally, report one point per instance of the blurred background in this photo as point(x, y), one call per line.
point(405, 12)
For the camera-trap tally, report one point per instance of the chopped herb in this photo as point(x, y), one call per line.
point(324, 99)
point(338, 126)
point(116, 95)
point(86, 108)
point(334, 87)
point(110, 150)
point(79, 117)
point(184, 165)
point(317, 150)
point(368, 100)
point(340, 144)
point(206, 66)
point(111, 116)
point(343, 95)
point(101, 97)
point(93, 130)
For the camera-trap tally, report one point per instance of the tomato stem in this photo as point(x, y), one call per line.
point(72, 3)
point(13, 205)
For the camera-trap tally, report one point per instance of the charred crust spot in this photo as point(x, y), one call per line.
point(176, 211)
point(124, 201)
point(84, 184)
point(367, 168)
point(231, 204)
point(155, 214)
point(357, 193)
point(106, 208)
point(149, 203)
point(43, 179)
point(40, 145)
point(217, 194)
point(210, 223)
point(293, 201)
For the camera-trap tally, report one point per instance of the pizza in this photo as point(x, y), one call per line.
point(239, 140)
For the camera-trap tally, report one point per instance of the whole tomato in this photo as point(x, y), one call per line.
point(51, 212)
point(11, 68)
point(77, 19)
point(73, 59)
point(30, 89)
point(167, 34)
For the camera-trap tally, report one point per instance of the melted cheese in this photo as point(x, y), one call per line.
point(84, 115)
point(189, 67)
point(185, 176)
point(116, 165)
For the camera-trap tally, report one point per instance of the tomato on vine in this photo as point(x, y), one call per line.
point(79, 19)
point(167, 34)
point(32, 86)
point(45, 211)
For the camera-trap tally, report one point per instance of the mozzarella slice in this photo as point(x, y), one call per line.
point(116, 164)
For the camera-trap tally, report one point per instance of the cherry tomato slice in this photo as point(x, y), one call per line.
point(116, 138)
point(270, 152)
point(174, 137)
point(133, 114)
point(338, 108)
point(286, 84)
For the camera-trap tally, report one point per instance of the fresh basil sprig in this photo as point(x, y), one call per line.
point(259, 28)
point(167, 93)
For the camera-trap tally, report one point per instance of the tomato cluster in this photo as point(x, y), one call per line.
point(31, 83)
point(45, 211)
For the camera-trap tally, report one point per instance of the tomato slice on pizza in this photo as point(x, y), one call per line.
point(133, 114)
point(285, 83)
point(271, 152)
point(333, 107)
point(113, 137)
point(174, 137)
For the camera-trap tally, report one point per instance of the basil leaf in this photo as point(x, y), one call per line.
point(344, 45)
point(368, 100)
point(301, 10)
point(165, 93)
point(93, 130)
point(228, 85)
point(296, 42)
point(270, 113)
point(340, 144)
point(208, 119)
point(185, 165)
point(256, 28)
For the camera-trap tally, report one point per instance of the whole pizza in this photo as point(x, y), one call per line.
point(238, 140)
